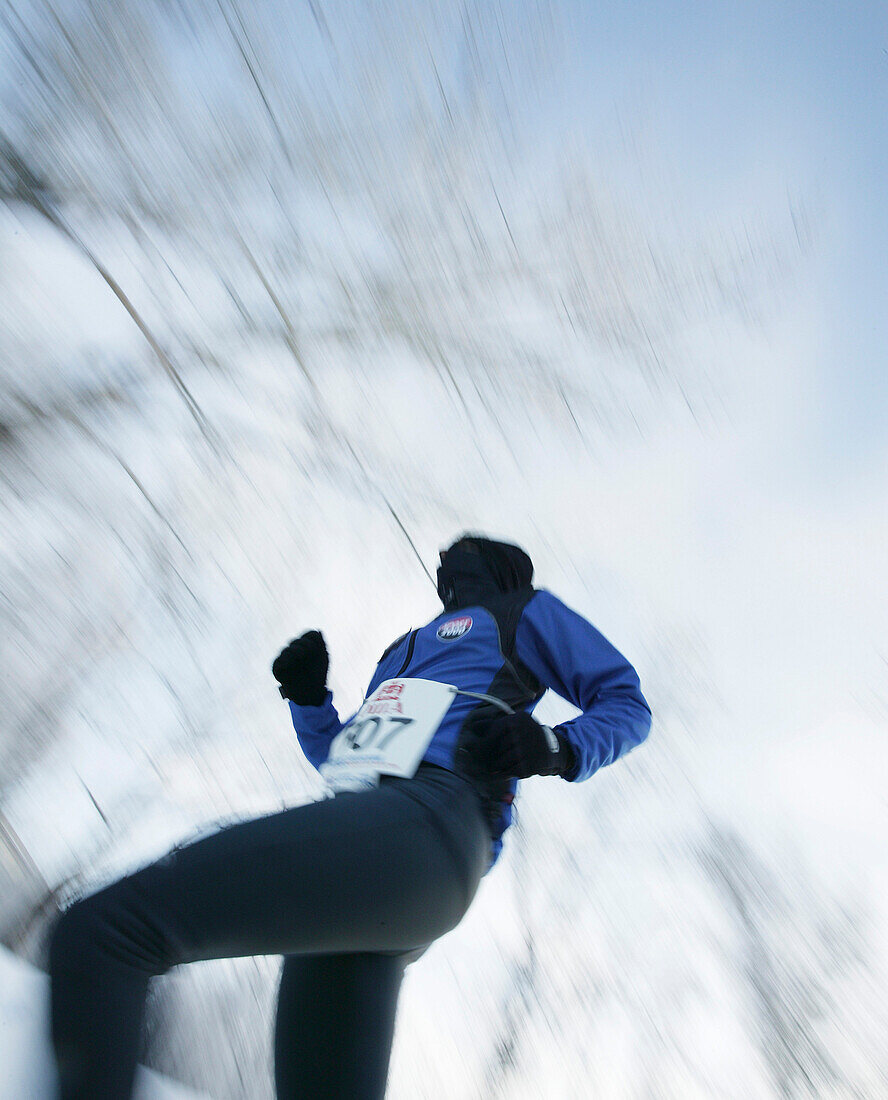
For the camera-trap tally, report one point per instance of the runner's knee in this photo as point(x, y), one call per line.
point(104, 929)
point(75, 937)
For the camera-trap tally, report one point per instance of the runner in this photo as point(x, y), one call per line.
point(353, 888)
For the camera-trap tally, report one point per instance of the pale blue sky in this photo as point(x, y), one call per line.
point(798, 91)
point(737, 103)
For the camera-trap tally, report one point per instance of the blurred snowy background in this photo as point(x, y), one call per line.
point(293, 293)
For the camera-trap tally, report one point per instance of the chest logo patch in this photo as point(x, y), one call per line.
point(454, 628)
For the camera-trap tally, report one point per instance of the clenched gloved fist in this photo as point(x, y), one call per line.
point(494, 745)
point(301, 670)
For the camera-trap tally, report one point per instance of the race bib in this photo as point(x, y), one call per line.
point(389, 735)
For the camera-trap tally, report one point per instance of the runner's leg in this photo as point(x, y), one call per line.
point(335, 1025)
point(383, 871)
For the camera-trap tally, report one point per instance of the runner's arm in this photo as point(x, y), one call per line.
point(315, 728)
point(572, 658)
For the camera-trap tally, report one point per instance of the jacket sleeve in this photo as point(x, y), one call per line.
point(315, 728)
point(572, 658)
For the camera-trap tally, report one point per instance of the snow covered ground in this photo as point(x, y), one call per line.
point(24, 1046)
point(269, 330)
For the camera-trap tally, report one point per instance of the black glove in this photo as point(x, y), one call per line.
point(494, 745)
point(301, 670)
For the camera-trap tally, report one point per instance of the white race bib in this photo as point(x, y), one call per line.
point(389, 735)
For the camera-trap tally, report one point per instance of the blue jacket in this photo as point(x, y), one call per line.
point(513, 648)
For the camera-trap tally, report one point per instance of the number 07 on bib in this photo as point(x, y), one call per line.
point(389, 735)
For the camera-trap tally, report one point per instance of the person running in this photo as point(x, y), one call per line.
point(354, 887)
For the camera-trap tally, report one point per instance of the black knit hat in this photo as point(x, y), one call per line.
point(473, 563)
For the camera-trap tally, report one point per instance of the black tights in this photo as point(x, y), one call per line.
point(349, 889)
